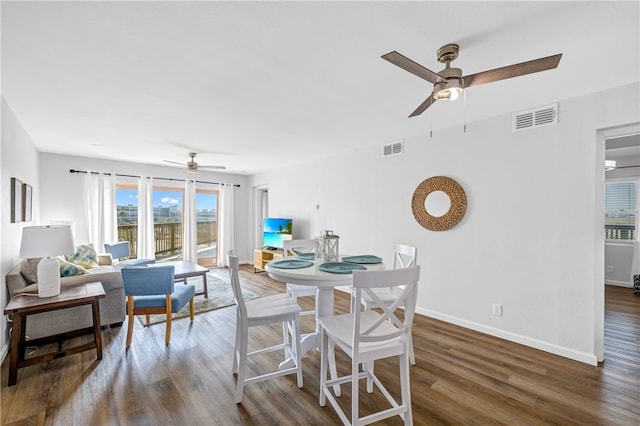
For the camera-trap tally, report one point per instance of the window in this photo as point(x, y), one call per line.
point(127, 214)
point(207, 219)
point(167, 222)
point(167, 218)
point(621, 210)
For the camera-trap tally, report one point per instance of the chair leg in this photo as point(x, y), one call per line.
point(355, 397)
point(369, 366)
point(412, 355)
point(148, 318)
point(296, 340)
point(405, 388)
point(191, 309)
point(237, 345)
point(332, 367)
point(167, 334)
point(130, 320)
point(323, 369)
point(286, 329)
point(242, 367)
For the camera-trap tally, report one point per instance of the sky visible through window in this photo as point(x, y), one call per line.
point(125, 197)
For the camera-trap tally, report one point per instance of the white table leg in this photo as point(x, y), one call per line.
point(324, 308)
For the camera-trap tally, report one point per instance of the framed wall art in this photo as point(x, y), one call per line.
point(26, 202)
point(16, 200)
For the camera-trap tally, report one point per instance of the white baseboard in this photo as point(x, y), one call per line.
point(619, 283)
point(587, 358)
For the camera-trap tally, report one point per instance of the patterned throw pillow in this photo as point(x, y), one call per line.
point(68, 269)
point(84, 256)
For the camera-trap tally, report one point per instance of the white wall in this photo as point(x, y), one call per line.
point(618, 260)
point(527, 240)
point(61, 195)
point(19, 159)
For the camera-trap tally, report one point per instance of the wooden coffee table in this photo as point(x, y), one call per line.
point(184, 270)
point(20, 306)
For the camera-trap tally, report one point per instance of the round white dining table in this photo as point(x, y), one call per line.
point(324, 282)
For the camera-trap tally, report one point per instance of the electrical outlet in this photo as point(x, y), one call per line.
point(497, 309)
point(609, 268)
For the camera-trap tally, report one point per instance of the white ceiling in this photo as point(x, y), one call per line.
point(258, 85)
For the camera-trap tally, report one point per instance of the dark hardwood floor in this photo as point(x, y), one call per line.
point(461, 377)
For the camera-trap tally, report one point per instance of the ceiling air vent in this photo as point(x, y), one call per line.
point(538, 117)
point(392, 148)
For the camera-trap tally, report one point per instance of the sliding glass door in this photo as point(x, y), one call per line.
point(207, 219)
point(168, 214)
point(167, 223)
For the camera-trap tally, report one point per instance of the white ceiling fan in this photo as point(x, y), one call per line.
point(193, 167)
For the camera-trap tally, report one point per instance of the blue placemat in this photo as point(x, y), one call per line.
point(291, 264)
point(307, 256)
point(365, 258)
point(340, 267)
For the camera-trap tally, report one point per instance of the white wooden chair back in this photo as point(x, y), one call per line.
point(404, 256)
point(296, 247)
point(234, 278)
point(405, 280)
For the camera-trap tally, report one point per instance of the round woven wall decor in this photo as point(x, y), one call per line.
point(456, 195)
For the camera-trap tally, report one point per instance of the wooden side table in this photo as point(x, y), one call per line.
point(21, 306)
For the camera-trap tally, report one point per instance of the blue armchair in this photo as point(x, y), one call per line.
point(121, 250)
point(151, 290)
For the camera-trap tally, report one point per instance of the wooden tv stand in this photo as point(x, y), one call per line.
point(263, 256)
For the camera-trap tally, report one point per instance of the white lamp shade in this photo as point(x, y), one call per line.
point(43, 241)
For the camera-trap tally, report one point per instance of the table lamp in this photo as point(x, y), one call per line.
point(47, 242)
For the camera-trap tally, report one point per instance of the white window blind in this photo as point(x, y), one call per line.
point(621, 210)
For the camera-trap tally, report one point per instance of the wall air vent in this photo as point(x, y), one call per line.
point(393, 148)
point(538, 117)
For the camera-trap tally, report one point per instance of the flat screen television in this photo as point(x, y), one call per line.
point(274, 231)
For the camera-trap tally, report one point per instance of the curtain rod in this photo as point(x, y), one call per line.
point(159, 178)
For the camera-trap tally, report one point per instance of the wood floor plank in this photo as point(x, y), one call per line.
point(461, 376)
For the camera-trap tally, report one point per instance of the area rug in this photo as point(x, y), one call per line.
point(220, 296)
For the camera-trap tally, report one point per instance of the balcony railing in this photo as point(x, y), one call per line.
point(167, 236)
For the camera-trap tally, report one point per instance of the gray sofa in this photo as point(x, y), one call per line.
point(112, 307)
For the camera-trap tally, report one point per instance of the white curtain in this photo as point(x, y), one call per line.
point(225, 229)
point(189, 224)
point(100, 205)
point(146, 239)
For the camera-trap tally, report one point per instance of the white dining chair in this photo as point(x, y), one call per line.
point(366, 336)
point(404, 256)
point(295, 248)
point(266, 310)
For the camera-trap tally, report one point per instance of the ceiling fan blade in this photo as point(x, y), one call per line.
point(510, 71)
point(174, 162)
point(423, 106)
point(413, 67)
point(212, 167)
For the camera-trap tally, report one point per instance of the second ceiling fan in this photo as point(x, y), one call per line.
point(449, 83)
point(193, 167)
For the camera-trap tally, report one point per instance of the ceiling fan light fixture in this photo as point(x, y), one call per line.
point(449, 89)
point(609, 165)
